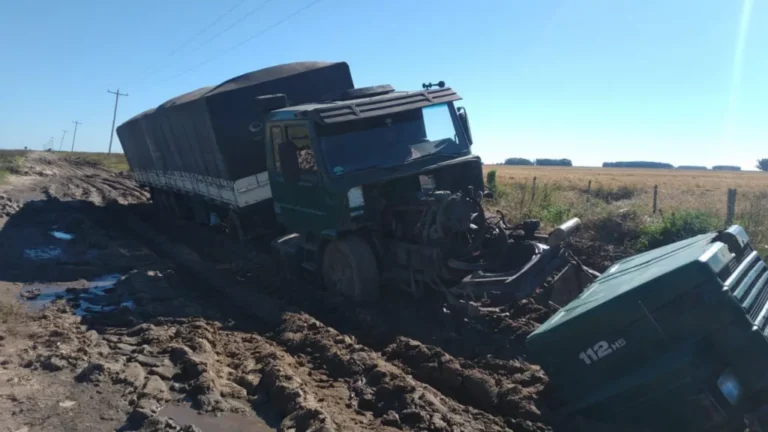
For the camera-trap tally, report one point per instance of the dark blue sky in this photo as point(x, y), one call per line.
point(680, 81)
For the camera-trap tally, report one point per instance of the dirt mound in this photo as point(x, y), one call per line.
point(498, 394)
point(8, 206)
point(603, 241)
point(58, 175)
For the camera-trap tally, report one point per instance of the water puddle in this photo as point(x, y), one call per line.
point(87, 307)
point(38, 295)
point(184, 415)
point(43, 253)
point(62, 235)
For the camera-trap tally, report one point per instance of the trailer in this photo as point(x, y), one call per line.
point(209, 143)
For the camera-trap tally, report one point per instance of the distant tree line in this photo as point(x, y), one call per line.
point(538, 162)
point(638, 164)
point(518, 161)
point(762, 164)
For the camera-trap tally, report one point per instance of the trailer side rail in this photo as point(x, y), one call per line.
point(240, 193)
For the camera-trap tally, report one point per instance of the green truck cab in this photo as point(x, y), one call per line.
point(331, 150)
point(344, 172)
point(670, 339)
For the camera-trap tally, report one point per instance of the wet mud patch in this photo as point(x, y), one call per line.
point(186, 416)
point(38, 295)
point(30, 253)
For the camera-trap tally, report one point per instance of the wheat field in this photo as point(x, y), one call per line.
point(677, 189)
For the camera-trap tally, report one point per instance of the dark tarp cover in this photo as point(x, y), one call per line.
point(215, 131)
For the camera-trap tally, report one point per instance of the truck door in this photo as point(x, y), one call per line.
point(304, 206)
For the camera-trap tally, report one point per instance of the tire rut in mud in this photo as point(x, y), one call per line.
point(157, 337)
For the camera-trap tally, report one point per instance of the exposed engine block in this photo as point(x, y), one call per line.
point(453, 222)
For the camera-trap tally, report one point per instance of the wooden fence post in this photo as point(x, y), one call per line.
point(589, 188)
point(730, 209)
point(655, 198)
point(533, 191)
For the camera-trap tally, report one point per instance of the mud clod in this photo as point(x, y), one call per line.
point(94, 372)
point(156, 389)
point(133, 375)
point(53, 364)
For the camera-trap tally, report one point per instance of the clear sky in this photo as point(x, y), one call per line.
point(678, 81)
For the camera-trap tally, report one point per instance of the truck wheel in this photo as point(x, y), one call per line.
point(350, 269)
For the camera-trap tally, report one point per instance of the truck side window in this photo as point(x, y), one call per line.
point(276, 134)
point(299, 135)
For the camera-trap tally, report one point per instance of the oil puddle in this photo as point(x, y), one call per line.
point(42, 253)
point(38, 295)
point(184, 415)
point(62, 235)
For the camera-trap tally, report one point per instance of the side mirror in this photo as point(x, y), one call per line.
point(464, 119)
point(289, 162)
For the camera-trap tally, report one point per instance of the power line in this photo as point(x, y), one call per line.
point(114, 116)
point(234, 24)
point(273, 26)
point(74, 134)
point(193, 37)
point(216, 21)
point(197, 66)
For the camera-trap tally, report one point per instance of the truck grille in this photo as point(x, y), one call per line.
point(749, 284)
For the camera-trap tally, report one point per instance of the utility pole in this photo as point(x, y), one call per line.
point(49, 144)
point(63, 134)
point(74, 134)
point(114, 116)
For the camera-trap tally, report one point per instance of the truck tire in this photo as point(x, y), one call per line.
point(349, 268)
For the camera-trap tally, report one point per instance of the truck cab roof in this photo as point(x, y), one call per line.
point(337, 111)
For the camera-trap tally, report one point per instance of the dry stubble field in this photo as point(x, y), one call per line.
point(561, 192)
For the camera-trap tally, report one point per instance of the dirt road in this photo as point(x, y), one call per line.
point(136, 322)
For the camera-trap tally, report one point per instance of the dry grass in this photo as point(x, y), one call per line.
point(561, 192)
point(694, 190)
point(10, 162)
point(113, 162)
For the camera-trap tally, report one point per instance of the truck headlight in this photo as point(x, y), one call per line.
point(356, 200)
point(730, 387)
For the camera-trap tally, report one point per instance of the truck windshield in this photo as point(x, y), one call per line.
point(393, 140)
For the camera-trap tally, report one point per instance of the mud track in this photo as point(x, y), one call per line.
point(198, 320)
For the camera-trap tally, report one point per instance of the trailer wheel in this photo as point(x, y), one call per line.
point(235, 227)
point(350, 269)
